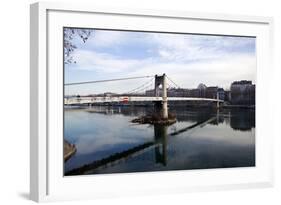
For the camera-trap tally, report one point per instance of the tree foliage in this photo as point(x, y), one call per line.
point(69, 35)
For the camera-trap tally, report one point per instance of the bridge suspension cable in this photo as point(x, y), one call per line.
point(140, 87)
point(146, 87)
point(107, 80)
point(169, 86)
point(173, 82)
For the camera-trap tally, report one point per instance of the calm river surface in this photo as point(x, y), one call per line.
point(107, 141)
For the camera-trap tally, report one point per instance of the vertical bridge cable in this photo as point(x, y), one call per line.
point(145, 88)
point(169, 86)
point(173, 82)
point(141, 87)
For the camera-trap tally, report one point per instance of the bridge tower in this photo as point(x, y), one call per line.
point(161, 88)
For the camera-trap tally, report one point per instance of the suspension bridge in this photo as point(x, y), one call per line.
point(159, 83)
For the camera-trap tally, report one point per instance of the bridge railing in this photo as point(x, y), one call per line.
point(120, 99)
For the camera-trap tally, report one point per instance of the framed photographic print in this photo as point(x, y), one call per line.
point(127, 102)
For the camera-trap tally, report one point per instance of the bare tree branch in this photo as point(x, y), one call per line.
point(69, 46)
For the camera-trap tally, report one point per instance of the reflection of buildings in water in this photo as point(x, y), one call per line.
point(192, 115)
point(123, 110)
point(242, 120)
point(238, 119)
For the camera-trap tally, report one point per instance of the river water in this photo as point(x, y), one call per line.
point(107, 141)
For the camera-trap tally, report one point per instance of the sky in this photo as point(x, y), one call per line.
point(187, 59)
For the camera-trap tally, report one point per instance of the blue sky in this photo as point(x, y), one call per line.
point(185, 58)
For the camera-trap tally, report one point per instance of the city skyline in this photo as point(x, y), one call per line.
point(172, 88)
point(189, 59)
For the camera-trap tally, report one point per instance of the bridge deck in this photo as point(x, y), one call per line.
point(93, 100)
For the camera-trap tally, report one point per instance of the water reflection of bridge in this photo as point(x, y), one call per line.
point(159, 144)
point(238, 119)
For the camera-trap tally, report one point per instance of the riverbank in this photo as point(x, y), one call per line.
point(68, 150)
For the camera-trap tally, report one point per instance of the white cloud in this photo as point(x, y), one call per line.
point(188, 59)
point(188, 75)
point(103, 62)
point(105, 39)
point(196, 47)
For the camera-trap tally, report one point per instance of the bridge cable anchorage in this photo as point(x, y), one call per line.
point(133, 90)
point(107, 80)
point(173, 82)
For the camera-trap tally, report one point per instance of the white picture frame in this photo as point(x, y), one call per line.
point(46, 179)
